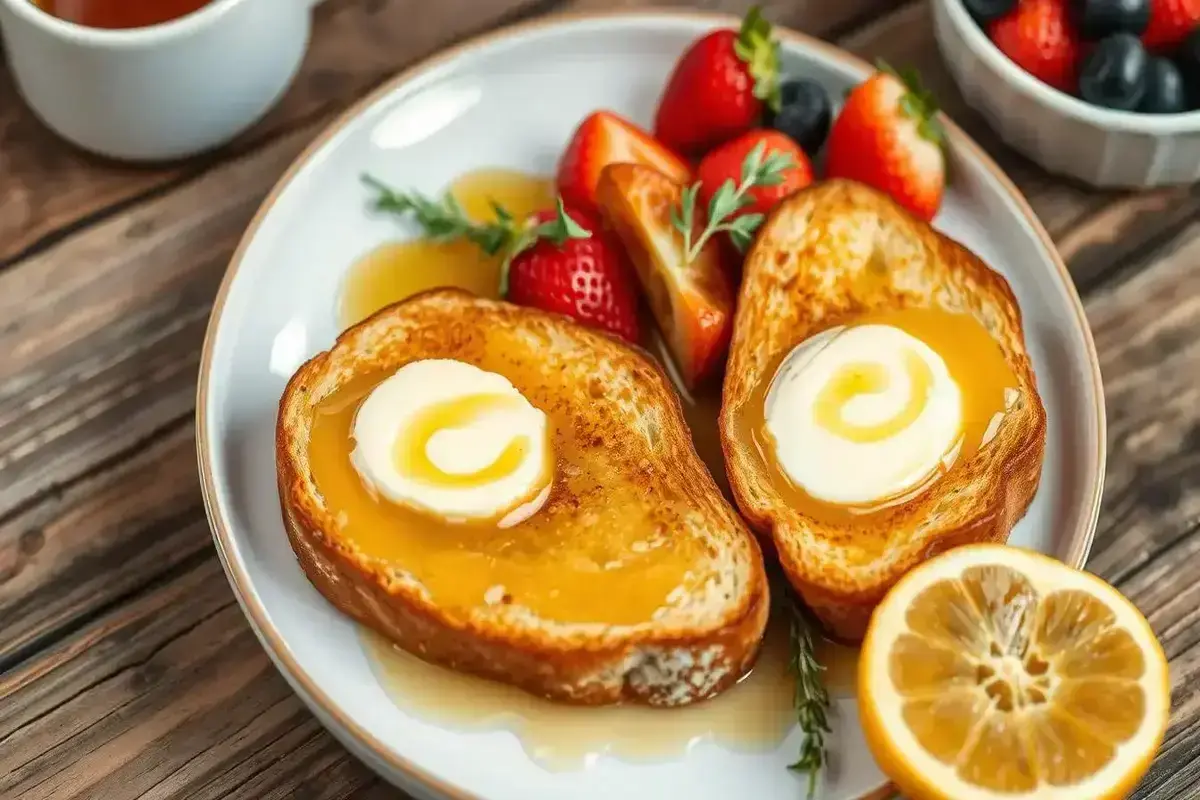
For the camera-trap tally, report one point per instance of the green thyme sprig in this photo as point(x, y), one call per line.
point(445, 220)
point(758, 169)
point(811, 698)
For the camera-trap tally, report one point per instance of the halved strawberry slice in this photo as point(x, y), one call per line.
point(691, 299)
point(605, 138)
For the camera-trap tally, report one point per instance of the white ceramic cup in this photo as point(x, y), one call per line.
point(160, 92)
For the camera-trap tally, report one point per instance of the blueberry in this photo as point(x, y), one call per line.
point(1114, 73)
point(1096, 19)
point(1165, 92)
point(985, 11)
point(1188, 59)
point(804, 114)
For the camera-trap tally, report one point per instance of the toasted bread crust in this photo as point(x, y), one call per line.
point(801, 276)
point(660, 662)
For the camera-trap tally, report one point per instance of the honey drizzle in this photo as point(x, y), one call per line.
point(861, 378)
point(753, 716)
point(628, 569)
point(411, 451)
point(400, 269)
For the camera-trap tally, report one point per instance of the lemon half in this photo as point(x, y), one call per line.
point(996, 673)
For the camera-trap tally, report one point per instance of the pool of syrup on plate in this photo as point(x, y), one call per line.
point(754, 715)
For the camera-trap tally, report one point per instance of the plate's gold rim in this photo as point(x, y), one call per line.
point(1081, 540)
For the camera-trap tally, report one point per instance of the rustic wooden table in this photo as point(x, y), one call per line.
point(126, 668)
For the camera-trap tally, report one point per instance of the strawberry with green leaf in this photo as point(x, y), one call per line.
point(743, 180)
point(888, 136)
point(558, 260)
point(720, 87)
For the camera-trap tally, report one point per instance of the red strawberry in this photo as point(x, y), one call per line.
point(557, 260)
point(1170, 22)
point(726, 163)
point(719, 87)
point(1037, 35)
point(605, 138)
point(573, 267)
point(887, 136)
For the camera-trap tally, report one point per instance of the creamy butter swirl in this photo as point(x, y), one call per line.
point(863, 414)
point(456, 441)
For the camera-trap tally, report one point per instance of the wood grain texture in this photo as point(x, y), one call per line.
point(126, 670)
point(169, 696)
point(1147, 330)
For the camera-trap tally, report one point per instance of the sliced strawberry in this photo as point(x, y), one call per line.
point(720, 87)
point(605, 138)
point(727, 161)
point(691, 298)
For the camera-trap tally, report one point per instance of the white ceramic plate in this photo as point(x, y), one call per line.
point(511, 100)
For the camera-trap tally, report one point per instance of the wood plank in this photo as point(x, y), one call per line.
point(103, 331)
point(355, 45)
point(85, 549)
point(168, 696)
point(1112, 236)
point(1147, 331)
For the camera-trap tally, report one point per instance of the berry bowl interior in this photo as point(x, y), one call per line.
point(1067, 136)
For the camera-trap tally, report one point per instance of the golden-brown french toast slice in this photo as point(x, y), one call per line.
point(635, 581)
point(830, 254)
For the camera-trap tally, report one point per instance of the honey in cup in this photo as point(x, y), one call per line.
point(118, 14)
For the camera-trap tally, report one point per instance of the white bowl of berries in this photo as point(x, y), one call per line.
point(1105, 91)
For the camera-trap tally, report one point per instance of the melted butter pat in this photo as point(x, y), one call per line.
point(755, 715)
point(975, 362)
